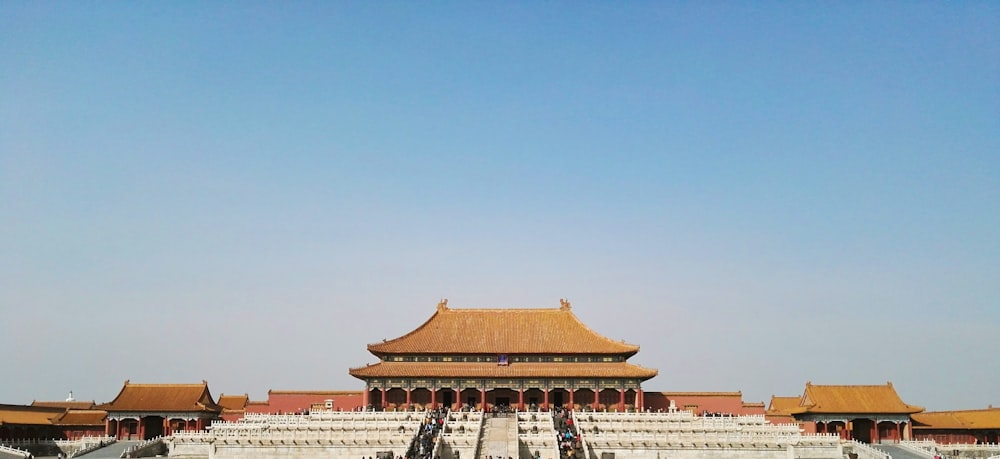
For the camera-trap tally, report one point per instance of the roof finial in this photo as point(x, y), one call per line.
point(564, 304)
point(70, 398)
point(443, 304)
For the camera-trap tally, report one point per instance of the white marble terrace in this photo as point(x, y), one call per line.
point(353, 435)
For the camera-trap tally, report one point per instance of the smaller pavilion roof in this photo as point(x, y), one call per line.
point(163, 397)
point(69, 405)
point(233, 402)
point(988, 418)
point(28, 415)
point(81, 418)
point(852, 399)
point(782, 406)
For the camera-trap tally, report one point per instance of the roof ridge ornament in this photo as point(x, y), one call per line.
point(443, 305)
point(564, 304)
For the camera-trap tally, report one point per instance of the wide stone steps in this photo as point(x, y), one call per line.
point(897, 452)
point(113, 450)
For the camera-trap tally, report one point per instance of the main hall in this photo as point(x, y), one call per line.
point(503, 359)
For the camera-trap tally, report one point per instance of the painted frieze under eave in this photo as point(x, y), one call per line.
point(492, 370)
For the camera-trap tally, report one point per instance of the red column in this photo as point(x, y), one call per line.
point(875, 438)
point(364, 399)
point(520, 399)
point(433, 398)
point(597, 398)
point(482, 398)
point(571, 398)
point(107, 427)
point(545, 403)
point(383, 399)
point(141, 430)
point(458, 400)
point(166, 426)
point(408, 400)
point(621, 400)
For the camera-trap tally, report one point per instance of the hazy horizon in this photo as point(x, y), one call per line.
point(758, 195)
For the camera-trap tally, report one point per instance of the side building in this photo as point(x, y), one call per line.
point(867, 413)
point(503, 358)
point(961, 426)
point(144, 411)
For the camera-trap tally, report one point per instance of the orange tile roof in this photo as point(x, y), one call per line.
point(233, 402)
point(163, 397)
point(82, 418)
point(782, 406)
point(492, 370)
point(852, 399)
point(966, 419)
point(503, 331)
point(75, 404)
point(28, 415)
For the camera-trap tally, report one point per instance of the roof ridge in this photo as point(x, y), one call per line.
point(973, 410)
point(503, 309)
point(166, 384)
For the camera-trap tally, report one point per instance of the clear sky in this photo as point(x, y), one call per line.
point(758, 194)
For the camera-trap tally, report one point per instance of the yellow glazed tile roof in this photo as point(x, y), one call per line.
point(492, 370)
point(82, 418)
point(852, 399)
point(233, 402)
point(966, 419)
point(163, 397)
point(782, 406)
point(28, 415)
point(503, 331)
point(74, 405)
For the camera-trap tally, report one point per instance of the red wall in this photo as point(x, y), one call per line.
point(703, 402)
point(301, 401)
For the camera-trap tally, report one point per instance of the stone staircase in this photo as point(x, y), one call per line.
point(564, 423)
point(898, 452)
point(113, 450)
point(499, 439)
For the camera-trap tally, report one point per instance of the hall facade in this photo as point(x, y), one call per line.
point(503, 358)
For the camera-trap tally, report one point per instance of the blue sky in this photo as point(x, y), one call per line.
point(758, 195)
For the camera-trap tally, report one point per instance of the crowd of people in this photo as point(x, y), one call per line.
point(566, 434)
point(423, 446)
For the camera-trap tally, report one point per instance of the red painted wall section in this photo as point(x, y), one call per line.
point(232, 416)
point(702, 402)
point(78, 432)
point(291, 402)
point(807, 427)
point(946, 437)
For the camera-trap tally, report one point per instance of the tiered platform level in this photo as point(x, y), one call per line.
point(319, 434)
point(686, 436)
point(537, 433)
point(461, 434)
